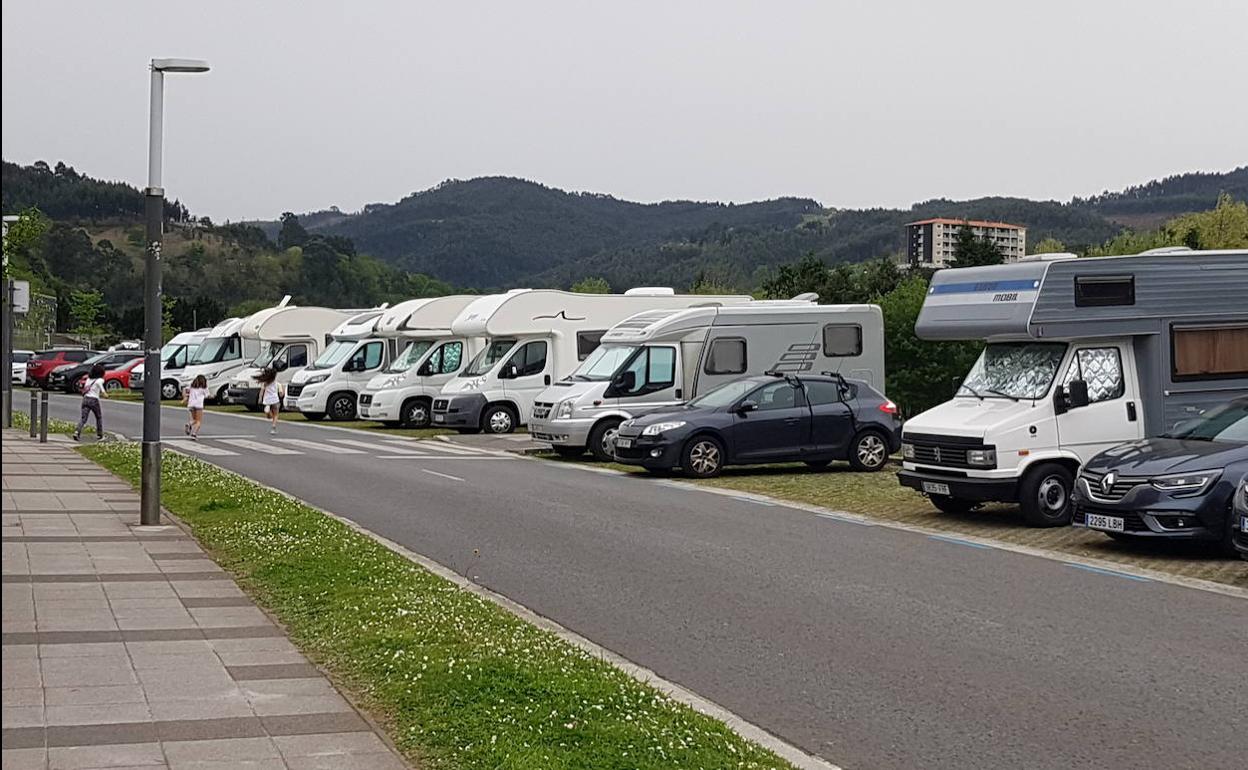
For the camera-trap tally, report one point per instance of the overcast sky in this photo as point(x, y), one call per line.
point(314, 103)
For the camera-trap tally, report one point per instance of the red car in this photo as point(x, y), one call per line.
point(42, 363)
point(119, 378)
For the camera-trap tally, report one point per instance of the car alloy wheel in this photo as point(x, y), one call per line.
point(169, 390)
point(342, 407)
point(871, 451)
point(112, 385)
point(704, 457)
point(416, 414)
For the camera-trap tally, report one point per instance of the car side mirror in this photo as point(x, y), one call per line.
point(1077, 394)
point(746, 406)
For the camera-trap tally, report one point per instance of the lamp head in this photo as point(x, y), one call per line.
point(179, 65)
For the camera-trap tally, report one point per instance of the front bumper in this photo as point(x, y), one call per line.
point(459, 411)
point(1149, 512)
point(243, 396)
point(566, 432)
point(379, 405)
point(963, 487)
point(654, 452)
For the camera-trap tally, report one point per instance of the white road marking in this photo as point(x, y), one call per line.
point(374, 447)
point(440, 446)
point(437, 457)
point(259, 446)
point(186, 445)
point(443, 475)
point(319, 446)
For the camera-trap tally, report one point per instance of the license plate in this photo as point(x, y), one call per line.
point(439, 418)
point(1107, 523)
point(1243, 523)
point(932, 488)
point(623, 443)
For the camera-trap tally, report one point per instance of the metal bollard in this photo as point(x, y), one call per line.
point(34, 413)
point(43, 417)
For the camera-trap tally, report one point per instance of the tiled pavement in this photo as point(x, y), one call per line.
point(125, 646)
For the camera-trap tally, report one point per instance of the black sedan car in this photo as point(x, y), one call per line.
point(1239, 519)
point(70, 377)
point(771, 418)
point(1177, 486)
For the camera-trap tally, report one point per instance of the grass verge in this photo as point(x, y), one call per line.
point(21, 420)
point(879, 496)
point(458, 682)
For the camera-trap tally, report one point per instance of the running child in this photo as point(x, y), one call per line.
point(194, 398)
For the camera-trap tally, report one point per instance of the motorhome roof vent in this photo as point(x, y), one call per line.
point(808, 296)
point(285, 301)
point(1049, 257)
point(651, 291)
point(1167, 250)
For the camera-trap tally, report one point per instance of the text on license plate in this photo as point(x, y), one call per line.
point(1107, 523)
point(1243, 523)
point(932, 488)
point(623, 443)
point(439, 418)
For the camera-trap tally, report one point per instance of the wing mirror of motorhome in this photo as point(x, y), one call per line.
point(746, 406)
point(1077, 394)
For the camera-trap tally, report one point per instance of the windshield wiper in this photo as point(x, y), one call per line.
point(976, 393)
point(1015, 399)
point(580, 377)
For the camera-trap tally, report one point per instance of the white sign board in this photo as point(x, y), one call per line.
point(21, 296)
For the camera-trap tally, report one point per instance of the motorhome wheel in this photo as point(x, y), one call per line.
point(1044, 496)
point(870, 452)
point(169, 389)
point(703, 458)
point(220, 397)
point(498, 419)
point(342, 406)
point(602, 440)
point(415, 414)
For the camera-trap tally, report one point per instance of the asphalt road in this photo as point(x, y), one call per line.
point(868, 646)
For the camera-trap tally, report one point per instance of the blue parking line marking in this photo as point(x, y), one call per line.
point(1110, 572)
point(958, 541)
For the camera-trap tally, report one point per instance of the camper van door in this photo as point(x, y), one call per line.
point(365, 361)
point(1112, 415)
point(527, 373)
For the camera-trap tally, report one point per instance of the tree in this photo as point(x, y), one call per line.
point(21, 242)
point(1048, 245)
point(594, 285)
point(292, 233)
point(85, 308)
point(970, 250)
point(167, 327)
point(805, 275)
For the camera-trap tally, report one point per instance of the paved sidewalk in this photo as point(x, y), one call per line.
point(126, 646)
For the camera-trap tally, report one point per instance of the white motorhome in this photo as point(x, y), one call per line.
point(1082, 355)
point(289, 339)
point(331, 384)
point(174, 357)
point(534, 337)
point(428, 356)
point(219, 357)
point(663, 358)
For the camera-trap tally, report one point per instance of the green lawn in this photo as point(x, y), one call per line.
point(458, 682)
point(879, 496)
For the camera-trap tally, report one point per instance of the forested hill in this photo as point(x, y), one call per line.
point(497, 232)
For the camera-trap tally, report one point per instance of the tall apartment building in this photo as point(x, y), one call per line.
point(930, 242)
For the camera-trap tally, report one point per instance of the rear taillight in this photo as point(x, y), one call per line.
point(888, 407)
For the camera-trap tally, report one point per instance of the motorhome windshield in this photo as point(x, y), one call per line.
point(603, 363)
point(1014, 370)
point(414, 351)
point(337, 351)
point(176, 356)
point(215, 349)
point(485, 360)
point(724, 395)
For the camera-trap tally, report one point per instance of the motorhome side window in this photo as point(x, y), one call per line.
point(586, 342)
point(653, 368)
point(530, 359)
point(842, 340)
point(446, 358)
point(1101, 368)
point(1209, 352)
point(1104, 290)
point(727, 356)
point(367, 357)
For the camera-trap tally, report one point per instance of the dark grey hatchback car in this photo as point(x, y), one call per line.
point(770, 418)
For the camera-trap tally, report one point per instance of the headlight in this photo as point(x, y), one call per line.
point(907, 451)
point(1190, 483)
point(983, 458)
point(564, 410)
point(314, 379)
point(660, 427)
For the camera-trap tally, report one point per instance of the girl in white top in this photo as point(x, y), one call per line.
point(92, 391)
point(270, 395)
point(194, 398)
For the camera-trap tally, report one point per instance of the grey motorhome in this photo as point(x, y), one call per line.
point(663, 358)
point(1081, 355)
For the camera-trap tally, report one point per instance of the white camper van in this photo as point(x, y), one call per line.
point(289, 339)
point(219, 357)
point(1082, 355)
point(428, 356)
point(663, 358)
point(534, 337)
point(331, 384)
point(174, 357)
